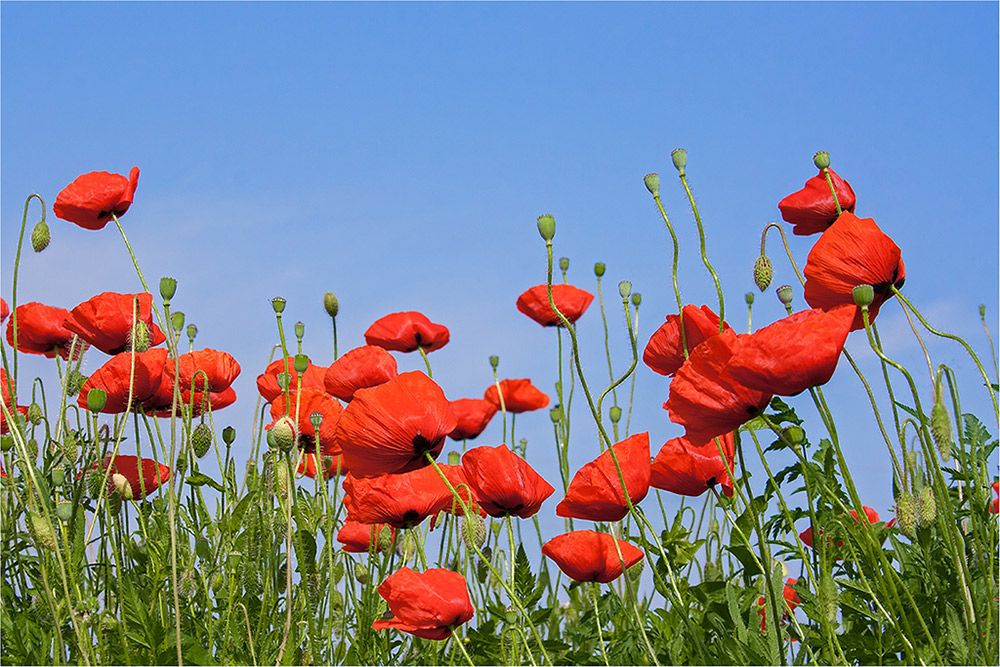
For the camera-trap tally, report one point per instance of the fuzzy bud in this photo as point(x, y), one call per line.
point(138, 337)
point(599, 269)
point(615, 413)
point(300, 363)
point(122, 486)
point(636, 299)
point(282, 435)
point(785, 294)
point(40, 236)
point(330, 304)
point(168, 287)
point(228, 435)
point(74, 382)
point(827, 593)
point(906, 514)
point(96, 400)
point(41, 531)
point(114, 504)
point(95, 482)
point(201, 439)
point(652, 182)
point(926, 507)
point(34, 413)
point(406, 546)
point(821, 160)
point(70, 446)
point(680, 158)
point(625, 288)
point(283, 476)
point(177, 321)
point(181, 464)
point(547, 227)
point(863, 295)
point(473, 531)
point(278, 304)
point(494, 361)
point(941, 428)
point(763, 272)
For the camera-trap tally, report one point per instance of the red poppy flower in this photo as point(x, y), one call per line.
point(5, 393)
point(4, 310)
point(93, 198)
point(40, 330)
point(807, 535)
point(312, 400)
point(267, 382)
point(359, 538)
point(518, 396)
point(691, 470)
point(163, 400)
point(406, 499)
point(595, 494)
point(153, 474)
point(427, 604)
point(853, 251)
point(504, 482)
point(586, 555)
point(995, 507)
point(664, 352)
point(571, 301)
point(390, 427)
point(473, 415)
point(105, 321)
point(113, 377)
point(812, 209)
point(361, 368)
point(405, 332)
point(705, 400)
point(792, 600)
point(219, 370)
point(793, 354)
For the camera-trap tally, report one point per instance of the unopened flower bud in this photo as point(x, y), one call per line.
point(636, 299)
point(794, 434)
point(763, 272)
point(385, 539)
point(95, 482)
point(283, 476)
point(282, 435)
point(749, 298)
point(74, 382)
point(64, 510)
point(331, 304)
point(547, 226)
point(454, 458)
point(821, 160)
point(615, 413)
point(40, 236)
point(181, 464)
point(941, 428)
point(278, 303)
point(122, 486)
point(827, 593)
point(138, 337)
point(34, 413)
point(785, 294)
point(42, 531)
point(300, 363)
point(680, 158)
point(473, 530)
point(361, 573)
point(192, 331)
point(168, 287)
point(599, 269)
point(406, 546)
point(177, 321)
point(70, 444)
point(906, 514)
point(863, 295)
point(556, 414)
point(624, 288)
point(926, 506)
point(564, 264)
point(228, 435)
point(652, 182)
point(494, 361)
point(201, 439)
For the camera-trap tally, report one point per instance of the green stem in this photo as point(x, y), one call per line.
point(704, 254)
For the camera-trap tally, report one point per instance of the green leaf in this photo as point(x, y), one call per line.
point(735, 613)
point(199, 479)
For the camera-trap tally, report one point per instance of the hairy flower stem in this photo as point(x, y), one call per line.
point(833, 190)
point(607, 347)
point(704, 253)
point(677, 289)
point(784, 241)
point(13, 300)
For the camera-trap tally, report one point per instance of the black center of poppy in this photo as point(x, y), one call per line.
point(422, 445)
point(307, 443)
point(710, 482)
point(411, 518)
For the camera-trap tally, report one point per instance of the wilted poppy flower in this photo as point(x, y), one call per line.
point(267, 382)
point(793, 354)
point(473, 415)
point(164, 399)
point(359, 538)
point(586, 555)
point(812, 209)
point(691, 470)
point(518, 396)
point(310, 441)
point(807, 535)
point(153, 474)
point(791, 598)
point(93, 198)
point(404, 500)
point(705, 400)
point(852, 252)
point(113, 377)
point(40, 330)
point(4, 310)
point(664, 352)
point(504, 482)
point(571, 301)
point(595, 494)
point(427, 604)
point(390, 427)
point(106, 320)
point(405, 332)
point(218, 370)
point(6, 394)
point(361, 368)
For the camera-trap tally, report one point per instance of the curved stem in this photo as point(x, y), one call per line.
point(13, 300)
point(788, 251)
point(704, 253)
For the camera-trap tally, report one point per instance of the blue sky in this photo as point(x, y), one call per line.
point(398, 155)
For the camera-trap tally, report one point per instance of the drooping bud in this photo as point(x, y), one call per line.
point(282, 435)
point(228, 435)
point(96, 400)
point(473, 530)
point(64, 510)
point(138, 337)
point(201, 439)
point(625, 288)
point(652, 182)
point(168, 287)
point(278, 304)
point(763, 272)
point(636, 299)
point(74, 381)
point(192, 331)
point(615, 413)
point(385, 539)
point(785, 294)
point(556, 414)
point(547, 226)
point(906, 514)
point(680, 158)
point(941, 428)
point(41, 531)
point(122, 486)
point(564, 264)
point(331, 304)
point(300, 363)
point(822, 160)
point(34, 413)
point(863, 295)
point(494, 361)
point(40, 236)
point(177, 321)
point(599, 269)
point(749, 298)
point(114, 504)
point(454, 458)
point(926, 506)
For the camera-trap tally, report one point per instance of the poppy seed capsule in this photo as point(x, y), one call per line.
point(177, 321)
point(863, 295)
point(494, 361)
point(547, 227)
point(794, 434)
point(330, 304)
point(982, 310)
point(625, 288)
point(300, 363)
point(822, 160)
point(680, 158)
point(96, 400)
point(278, 304)
point(763, 272)
point(784, 294)
point(556, 414)
point(300, 331)
point(636, 299)
point(652, 182)
point(58, 476)
point(599, 269)
point(168, 287)
point(201, 439)
point(454, 458)
point(228, 435)
point(6, 443)
point(40, 236)
point(941, 429)
point(615, 413)
point(192, 331)
point(64, 510)
point(282, 379)
point(749, 298)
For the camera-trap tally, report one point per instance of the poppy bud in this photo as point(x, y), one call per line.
point(763, 272)
point(794, 434)
point(624, 288)
point(821, 160)
point(41, 531)
point(636, 299)
point(556, 414)
point(122, 486)
point(361, 573)
point(406, 547)
point(282, 435)
point(192, 331)
point(64, 510)
point(749, 298)
point(547, 226)
point(784, 294)
point(652, 182)
point(40, 236)
point(941, 429)
point(615, 413)
point(114, 504)
point(300, 363)
point(494, 361)
point(58, 476)
point(228, 435)
point(168, 287)
point(201, 439)
point(177, 321)
point(96, 399)
point(32, 449)
point(138, 337)
point(278, 304)
point(74, 382)
point(68, 449)
point(95, 482)
point(863, 295)
point(680, 158)
point(385, 539)
point(331, 304)
point(926, 506)
point(564, 265)
point(454, 458)
point(181, 464)
point(827, 593)
point(283, 476)
point(906, 514)
point(599, 269)
point(473, 530)
point(34, 413)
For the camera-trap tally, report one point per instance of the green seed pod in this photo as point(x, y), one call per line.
point(564, 264)
point(473, 530)
point(822, 160)
point(624, 288)
point(74, 382)
point(331, 304)
point(283, 380)
point(556, 414)
point(282, 435)
point(192, 331)
point(547, 227)
point(636, 299)
point(615, 413)
point(168, 287)
point(40, 236)
point(6, 443)
point(454, 458)
point(96, 400)
point(228, 435)
point(300, 331)
point(794, 434)
point(278, 304)
point(749, 297)
point(494, 361)
point(34, 413)
point(58, 476)
point(177, 321)
point(680, 159)
point(763, 273)
point(906, 514)
point(652, 182)
point(217, 581)
point(41, 531)
point(785, 294)
point(201, 439)
point(941, 428)
point(300, 363)
point(64, 510)
point(599, 269)
point(361, 573)
point(863, 295)
point(926, 507)
point(982, 310)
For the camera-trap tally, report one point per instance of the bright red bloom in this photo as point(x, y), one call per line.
point(163, 400)
point(793, 354)
point(812, 209)
point(595, 494)
point(691, 470)
point(586, 555)
point(425, 604)
point(220, 370)
point(361, 368)
point(792, 600)
point(504, 482)
point(105, 321)
point(4, 310)
point(93, 198)
point(404, 500)
point(113, 378)
point(473, 415)
point(571, 301)
point(40, 330)
point(153, 474)
point(705, 400)
point(807, 535)
point(267, 382)
point(995, 507)
point(405, 332)
point(5, 393)
point(310, 442)
point(390, 427)
point(358, 537)
point(664, 352)
point(852, 252)
point(518, 396)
